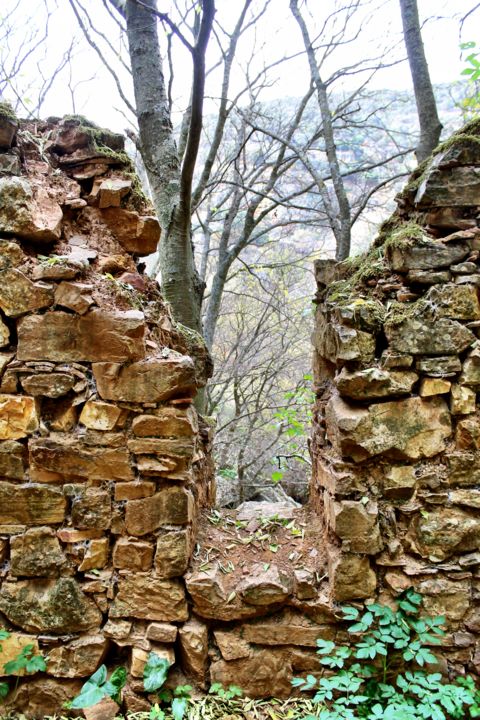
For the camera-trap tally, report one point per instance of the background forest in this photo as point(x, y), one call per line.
point(260, 154)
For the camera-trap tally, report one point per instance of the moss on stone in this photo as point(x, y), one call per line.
point(7, 111)
point(104, 142)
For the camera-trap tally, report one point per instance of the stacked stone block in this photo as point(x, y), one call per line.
point(397, 435)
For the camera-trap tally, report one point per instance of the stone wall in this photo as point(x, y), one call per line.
point(104, 462)
point(396, 440)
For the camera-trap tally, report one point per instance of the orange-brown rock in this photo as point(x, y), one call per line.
point(232, 645)
point(50, 606)
point(31, 504)
point(166, 422)
point(149, 598)
point(134, 490)
point(28, 212)
point(112, 190)
point(286, 628)
point(12, 460)
point(162, 632)
point(193, 637)
point(79, 658)
point(54, 460)
point(96, 336)
point(152, 380)
point(74, 296)
point(96, 555)
point(98, 415)
point(139, 235)
point(266, 586)
point(4, 335)
point(170, 506)
point(173, 551)
point(52, 385)
point(91, 508)
point(263, 669)
point(36, 553)
point(37, 696)
point(132, 554)
point(351, 576)
point(18, 416)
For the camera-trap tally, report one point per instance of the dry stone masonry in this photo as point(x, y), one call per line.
point(109, 546)
point(396, 440)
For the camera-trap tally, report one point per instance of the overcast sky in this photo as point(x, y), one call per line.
point(275, 35)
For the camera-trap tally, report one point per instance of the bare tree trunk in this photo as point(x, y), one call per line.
point(430, 125)
point(343, 227)
point(171, 185)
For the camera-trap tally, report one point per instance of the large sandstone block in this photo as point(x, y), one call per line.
point(356, 524)
point(193, 638)
point(147, 598)
point(55, 460)
point(31, 505)
point(97, 336)
point(444, 532)
point(455, 186)
point(374, 383)
point(411, 429)
point(49, 606)
point(170, 506)
point(19, 295)
point(79, 658)
point(427, 255)
point(152, 380)
point(173, 551)
point(136, 234)
point(266, 672)
point(29, 213)
point(421, 335)
point(18, 416)
point(286, 628)
point(167, 422)
point(351, 576)
point(458, 302)
point(36, 553)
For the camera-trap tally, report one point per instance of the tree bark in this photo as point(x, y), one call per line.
point(171, 185)
point(430, 125)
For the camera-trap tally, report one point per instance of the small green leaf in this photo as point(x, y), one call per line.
point(155, 672)
point(179, 705)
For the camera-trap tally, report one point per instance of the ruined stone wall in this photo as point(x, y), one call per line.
point(397, 434)
point(103, 460)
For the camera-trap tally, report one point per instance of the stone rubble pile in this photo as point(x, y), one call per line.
point(396, 440)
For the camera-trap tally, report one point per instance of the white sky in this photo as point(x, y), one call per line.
point(275, 35)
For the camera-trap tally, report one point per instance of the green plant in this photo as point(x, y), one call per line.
point(154, 676)
point(471, 103)
point(98, 686)
point(380, 676)
point(225, 694)
point(26, 661)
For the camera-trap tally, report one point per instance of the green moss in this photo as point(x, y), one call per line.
point(398, 312)
point(7, 111)
point(104, 142)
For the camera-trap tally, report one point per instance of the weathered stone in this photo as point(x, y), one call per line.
point(374, 383)
point(351, 576)
point(35, 698)
point(12, 647)
point(8, 130)
point(421, 335)
point(193, 638)
point(134, 490)
point(19, 295)
point(18, 416)
point(118, 629)
point(50, 385)
point(71, 134)
point(427, 255)
point(455, 186)
point(96, 555)
point(175, 447)
point(339, 343)
point(286, 628)
point(412, 428)
point(471, 369)
point(74, 296)
point(51, 606)
point(139, 235)
point(462, 400)
point(4, 335)
point(444, 532)
point(64, 268)
point(363, 314)
point(152, 380)
point(265, 668)
point(399, 482)
point(305, 585)
point(467, 433)
point(465, 268)
point(51, 459)
point(266, 587)
point(170, 506)
point(162, 632)
point(134, 555)
point(439, 366)
point(10, 164)
point(29, 213)
point(470, 497)
point(231, 644)
point(468, 280)
point(98, 335)
point(428, 277)
point(173, 551)
point(450, 598)
point(106, 709)
point(98, 415)
point(12, 460)
point(139, 659)
point(92, 508)
point(60, 416)
point(458, 302)
point(31, 505)
point(112, 190)
point(37, 553)
point(391, 359)
point(148, 598)
point(434, 386)
point(356, 525)
point(167, 422)
point(72, 535)
point(79, 658)
point(11, 254)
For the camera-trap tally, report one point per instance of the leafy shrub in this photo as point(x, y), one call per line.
point(154, 677)
point(381, 675)
point(98, 687)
